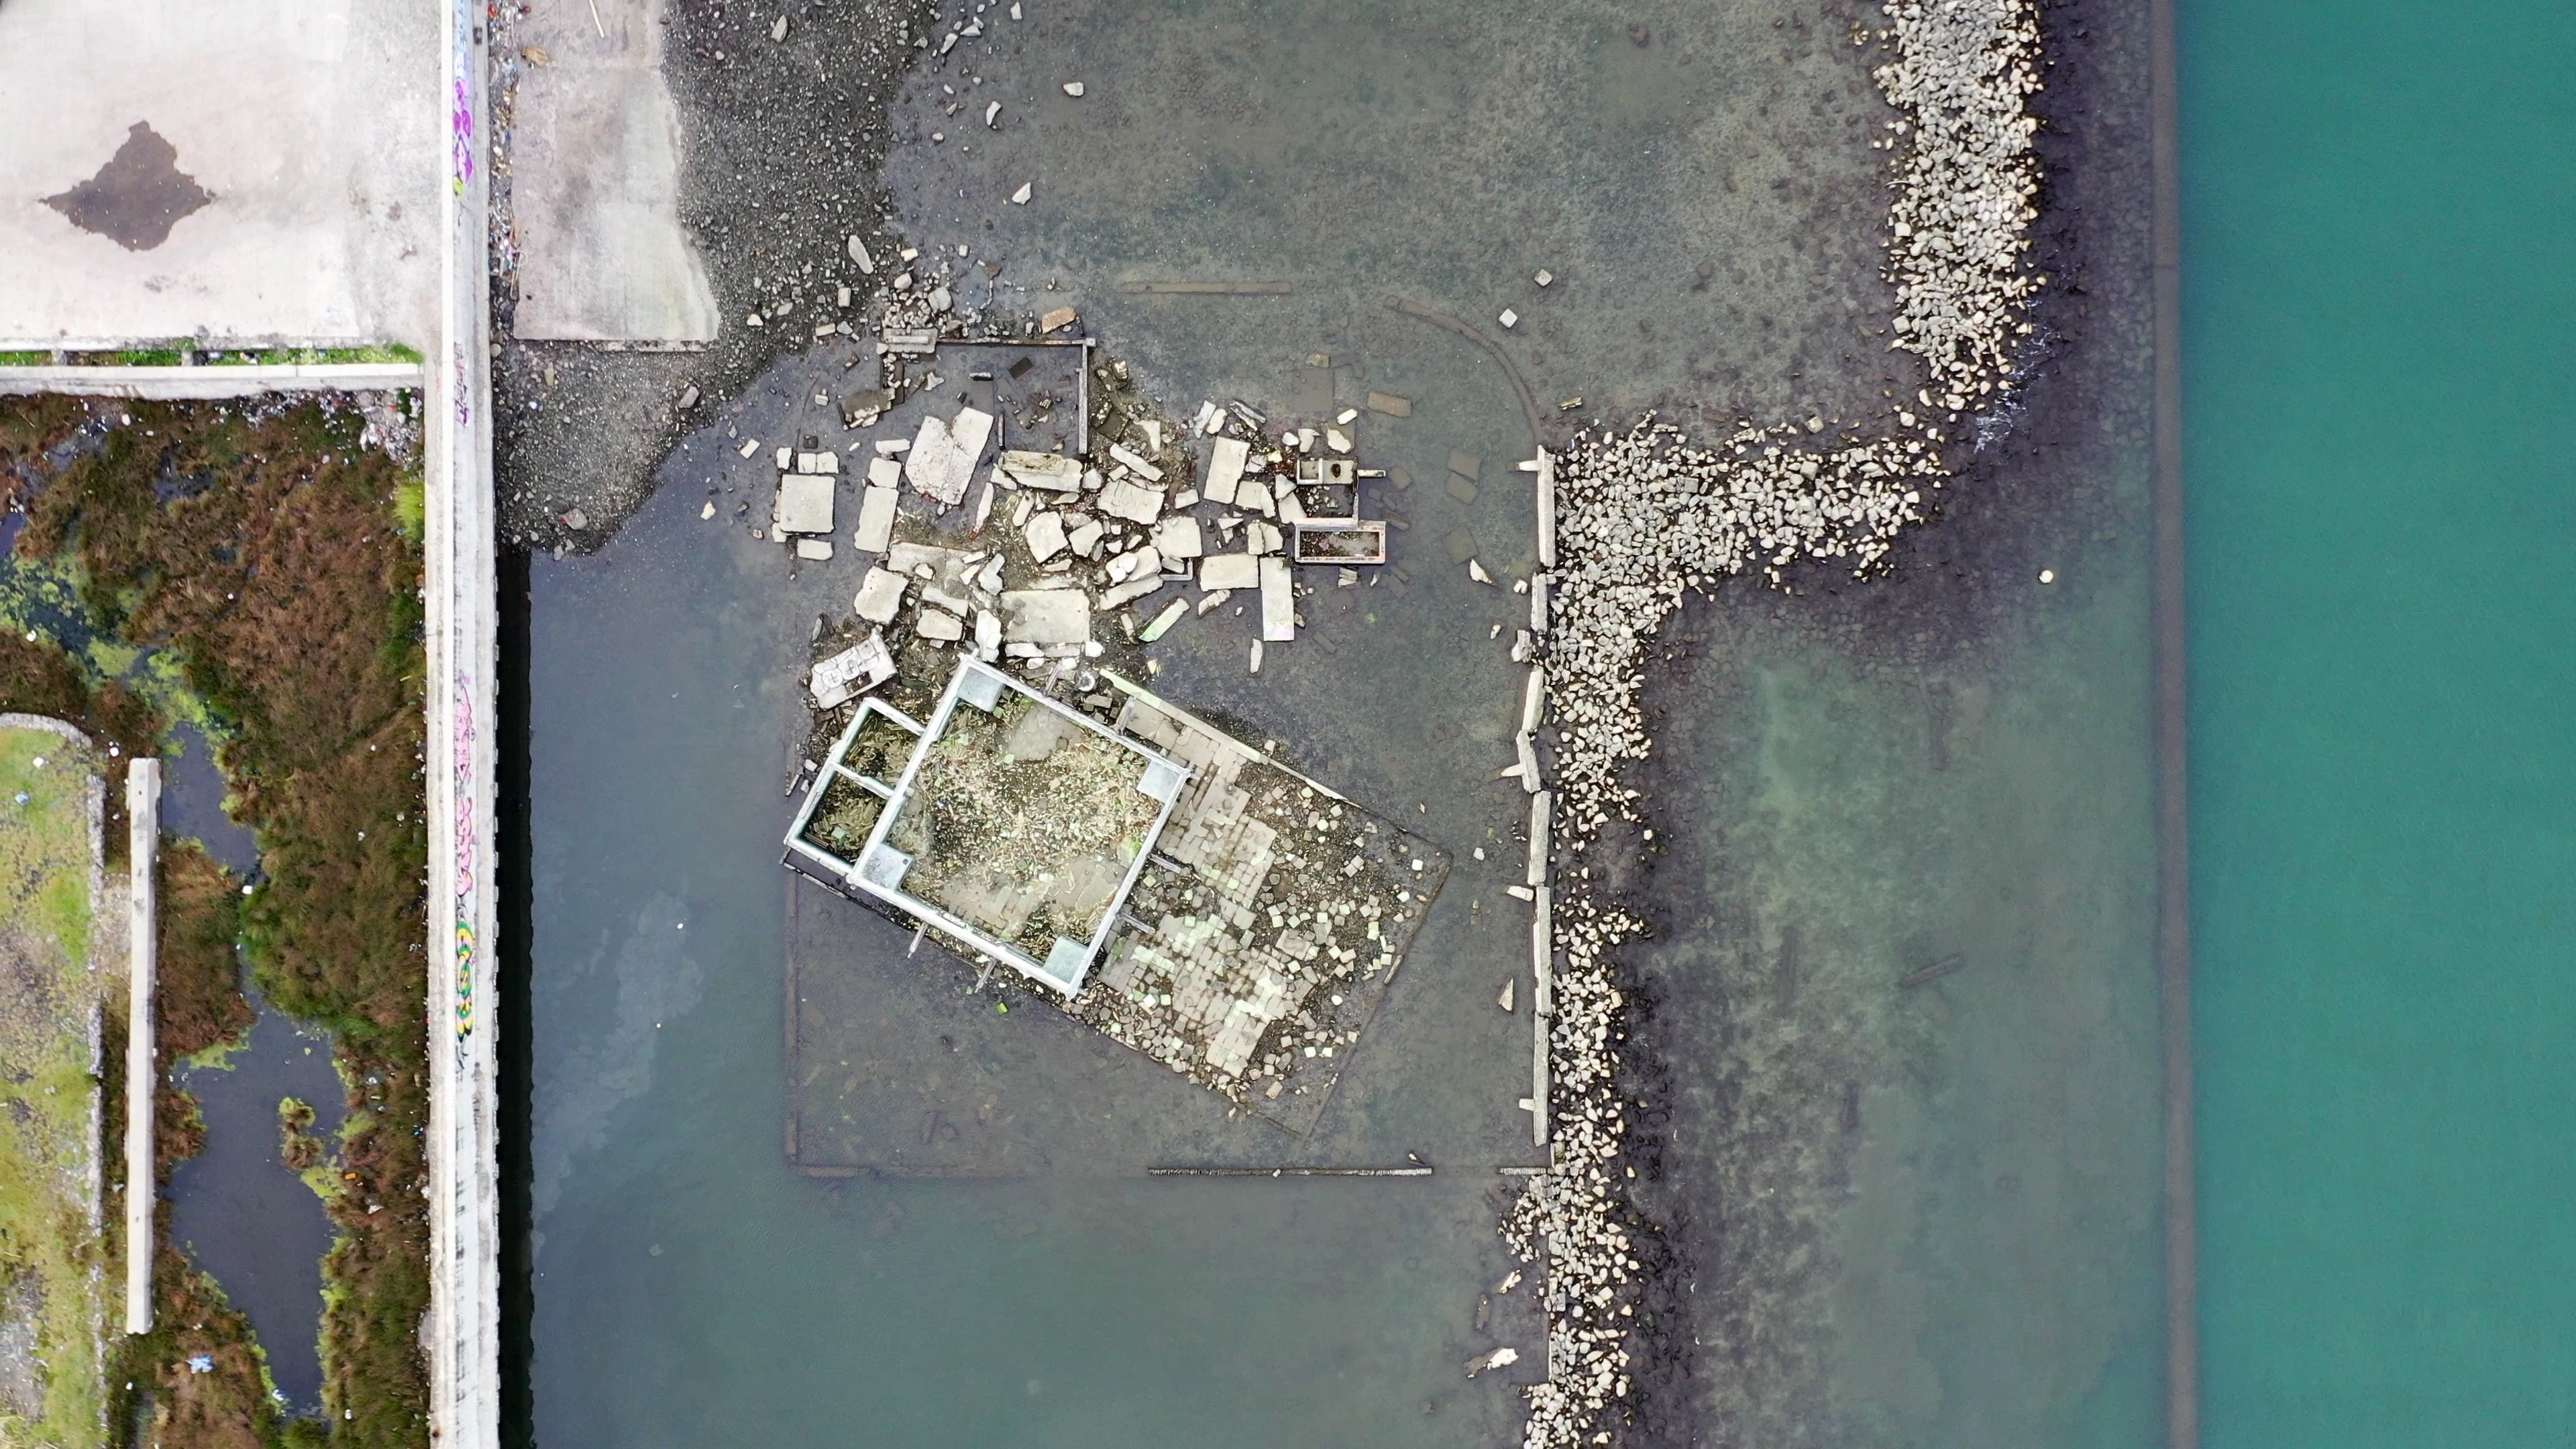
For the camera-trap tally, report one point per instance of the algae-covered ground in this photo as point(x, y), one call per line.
point(52, 1259)
point(256, 568)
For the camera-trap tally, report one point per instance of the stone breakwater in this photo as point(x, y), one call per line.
point(1642, 516)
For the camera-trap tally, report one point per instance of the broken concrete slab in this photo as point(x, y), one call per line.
point(1051, 471)
point(1132, 590)
point(880, 596)
point(1278, 602)
point(1120, 453)
point(1045, 535)
point(941, 625)
point(1225, 469)
point(1222, 571)
point(1131, 501)
point(876, 519)
point(816, 549)
point(804, 504)
point(1046, 616)
point(852, 672)
point(1391, 405)
point(1179, 538)
point(1163, 622)
point(1136, 563)
point(971, 431)
point(930, 460)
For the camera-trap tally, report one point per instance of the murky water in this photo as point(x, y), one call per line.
point(689, 1283)
point(243, 1215)
point(1966, 1252)
point(192, 803)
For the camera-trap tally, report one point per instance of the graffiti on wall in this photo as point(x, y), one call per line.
point(468, 845)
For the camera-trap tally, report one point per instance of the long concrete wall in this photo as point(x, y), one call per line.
point(464, 1330)
point(142, 1049)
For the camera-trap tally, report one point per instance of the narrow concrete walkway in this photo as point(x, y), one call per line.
point(142, 1070)
point(245, 380)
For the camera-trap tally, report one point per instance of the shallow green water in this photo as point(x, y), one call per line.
point(2377, 206)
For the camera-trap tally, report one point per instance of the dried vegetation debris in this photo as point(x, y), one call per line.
point(1022, 823)
point(1644, 516)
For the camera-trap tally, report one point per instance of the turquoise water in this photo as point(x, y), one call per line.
point(2380, 376)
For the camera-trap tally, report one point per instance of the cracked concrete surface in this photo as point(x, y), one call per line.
point(602, 255)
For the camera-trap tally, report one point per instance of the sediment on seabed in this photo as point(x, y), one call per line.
point(1633, 520)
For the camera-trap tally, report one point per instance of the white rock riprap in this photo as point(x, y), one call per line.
point(1645, 515)
point(1959, 226)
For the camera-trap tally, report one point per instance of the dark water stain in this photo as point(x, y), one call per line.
point(192, 803)
point(248, 1219)
point(137, 196)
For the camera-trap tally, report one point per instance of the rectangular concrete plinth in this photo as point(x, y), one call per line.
point(1278, 602)
point(595, 184)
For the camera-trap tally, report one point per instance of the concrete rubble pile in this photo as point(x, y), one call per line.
point(1258, 948)
point(1016, 553)
point(1642, 516)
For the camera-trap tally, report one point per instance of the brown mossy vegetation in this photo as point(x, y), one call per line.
point(197, 998)
point(263, 548)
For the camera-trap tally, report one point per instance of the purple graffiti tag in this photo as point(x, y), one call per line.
point(462, 126)
point(467, 853)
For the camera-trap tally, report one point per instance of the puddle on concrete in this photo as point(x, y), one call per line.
point(243, 1214)
point(137, 196)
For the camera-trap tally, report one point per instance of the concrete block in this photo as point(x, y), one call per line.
point(804, 504)
point(1179, 538)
